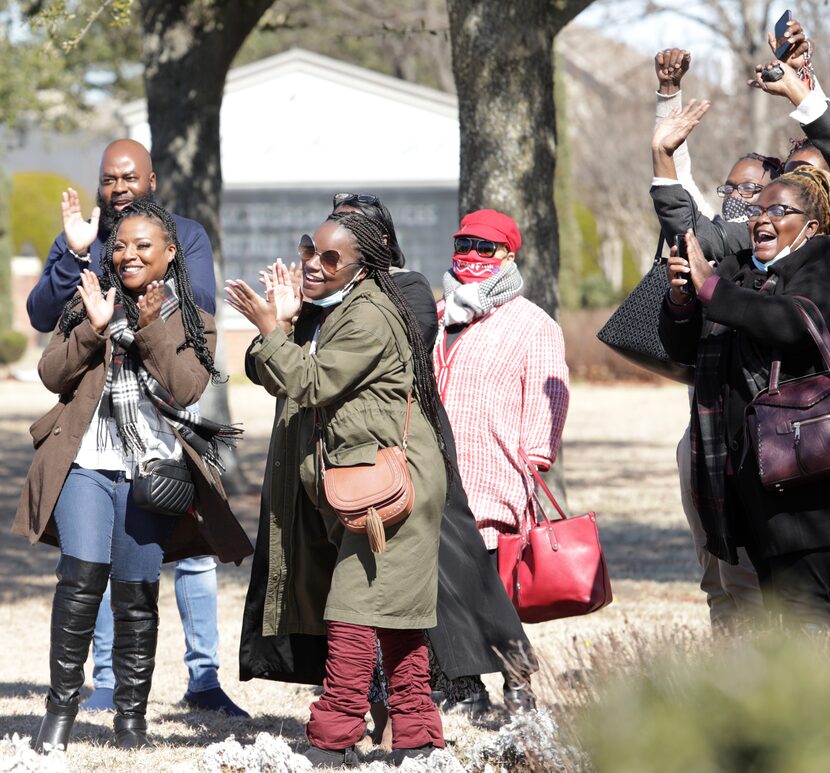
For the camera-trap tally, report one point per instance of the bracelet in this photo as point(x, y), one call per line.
point(83, 258)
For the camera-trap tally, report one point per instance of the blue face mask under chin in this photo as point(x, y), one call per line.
point(336, 297)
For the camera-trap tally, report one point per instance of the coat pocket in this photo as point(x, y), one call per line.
point(44, 426)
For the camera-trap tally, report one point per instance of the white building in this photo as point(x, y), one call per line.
point(298, 127)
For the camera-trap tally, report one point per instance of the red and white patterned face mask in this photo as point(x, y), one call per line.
point(471, 267)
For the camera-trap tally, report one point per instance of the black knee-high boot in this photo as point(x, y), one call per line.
point(81, 584)
point(135, 633)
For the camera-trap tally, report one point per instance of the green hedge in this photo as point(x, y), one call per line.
point(12, 346)
point(36, 209)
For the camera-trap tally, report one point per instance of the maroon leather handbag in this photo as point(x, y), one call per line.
point(556, 568)
point(788, 423)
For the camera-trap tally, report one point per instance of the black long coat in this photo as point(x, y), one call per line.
point(475, 616)
point(770, 523)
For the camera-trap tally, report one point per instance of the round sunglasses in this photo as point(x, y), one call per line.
point(329, 259)
point(484, 247)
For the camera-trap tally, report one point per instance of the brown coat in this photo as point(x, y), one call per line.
point(76, 369)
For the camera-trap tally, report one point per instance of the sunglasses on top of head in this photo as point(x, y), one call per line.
point(353, 198)
point(484, 247)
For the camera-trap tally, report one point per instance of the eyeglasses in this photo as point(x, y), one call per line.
point(775, 212)
point(484, 247)
point(747, 190)
point(350, 198)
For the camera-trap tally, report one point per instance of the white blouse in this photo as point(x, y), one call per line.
point(161, 441)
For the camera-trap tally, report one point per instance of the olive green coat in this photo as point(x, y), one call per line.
point(355, 386)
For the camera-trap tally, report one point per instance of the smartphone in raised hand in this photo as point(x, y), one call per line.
point(687, 289)
point(780, 30)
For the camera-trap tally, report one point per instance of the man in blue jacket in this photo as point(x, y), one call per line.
point(126, 175)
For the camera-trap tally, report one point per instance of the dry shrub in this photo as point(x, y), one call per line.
point(744, 704)
point(551, 739)
point(591, 360)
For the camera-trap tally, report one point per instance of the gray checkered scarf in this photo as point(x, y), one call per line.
point(465, 302)
point(127, 380)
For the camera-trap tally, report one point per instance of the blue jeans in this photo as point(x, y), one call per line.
point(195, 584)
point(97, 521)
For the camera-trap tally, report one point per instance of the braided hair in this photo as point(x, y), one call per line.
point(813, 187)
point(377, 257)
point(74, 312)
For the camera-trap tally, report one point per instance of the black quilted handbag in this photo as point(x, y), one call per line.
point(164, 486)
point(631, 331)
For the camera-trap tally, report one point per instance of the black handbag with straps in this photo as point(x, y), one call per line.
point(631, 331)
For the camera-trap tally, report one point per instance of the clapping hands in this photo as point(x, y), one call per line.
point(99, 307)
point(281, 302)
point(149, 304)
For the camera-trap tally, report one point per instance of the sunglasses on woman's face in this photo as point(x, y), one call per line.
point(353, 198)
point(484, 247)
point(328, 258)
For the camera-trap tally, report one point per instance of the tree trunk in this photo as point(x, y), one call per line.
point(502, 56)
point(188, 49)
point(503, 64)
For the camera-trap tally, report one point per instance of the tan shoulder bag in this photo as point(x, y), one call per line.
point(369, 497)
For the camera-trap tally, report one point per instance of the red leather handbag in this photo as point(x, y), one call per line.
point(553, 569)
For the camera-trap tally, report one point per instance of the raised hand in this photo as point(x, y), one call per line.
point(266, 278)
point(99, 307)
point(256, 309)
point(789, 86)
point(149, 304)
point(799, 44)
point(79, 233)
point(288, 298)
point(673, 130)
point(671, 64)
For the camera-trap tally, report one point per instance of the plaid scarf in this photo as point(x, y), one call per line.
point(127, 380)
point(465, 302)
point(719, 346)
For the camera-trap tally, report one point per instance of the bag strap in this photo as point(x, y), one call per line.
point(535, 473)
point(661, 240)
point(406, 424)
point(658, 254)
point(818, 332)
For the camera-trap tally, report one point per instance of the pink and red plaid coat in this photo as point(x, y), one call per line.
point(504, 384)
